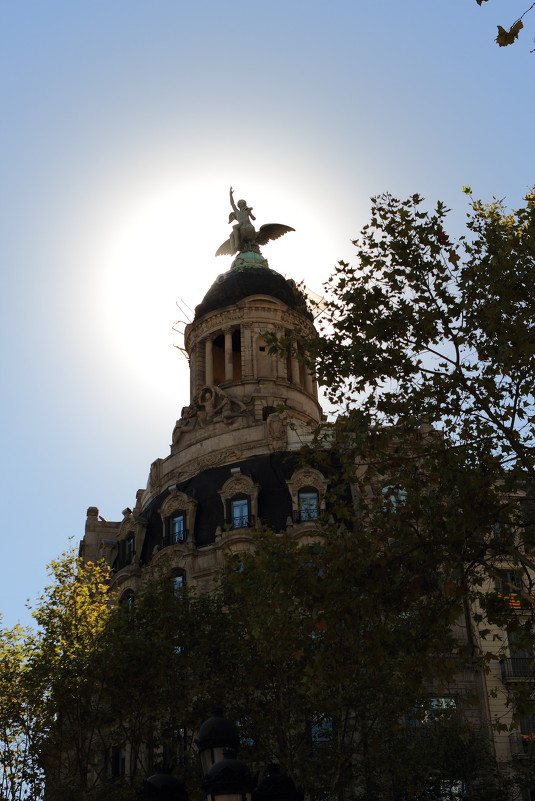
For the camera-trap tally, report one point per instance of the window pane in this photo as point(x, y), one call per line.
point(308, 504)
point(177, 528)
point(240, 512)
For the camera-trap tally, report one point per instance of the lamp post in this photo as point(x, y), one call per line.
point(163, 787)
point(228, 780)
point(225, 777)
point(276, 786)
point(216, 735)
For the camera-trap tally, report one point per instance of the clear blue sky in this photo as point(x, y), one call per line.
point(124, 122)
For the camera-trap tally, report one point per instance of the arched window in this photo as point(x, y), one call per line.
point(308, 501)
point(178, 579)
point(240, 499)
point(178, 517)
point(127, 600)
point(307, 489)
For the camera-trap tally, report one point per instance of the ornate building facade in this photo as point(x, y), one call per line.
point(233, 465)
point(230, 468)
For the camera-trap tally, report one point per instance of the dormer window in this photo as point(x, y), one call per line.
point(240, 499)
point(178, 517)
point(307, 489)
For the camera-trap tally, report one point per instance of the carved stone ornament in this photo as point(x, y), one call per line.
point(307, 477)
point(154, 476)
point(210, 405)
point(238, 484)
point(178, 501)
point(277, 432)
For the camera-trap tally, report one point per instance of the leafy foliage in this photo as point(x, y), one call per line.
point(508, 37)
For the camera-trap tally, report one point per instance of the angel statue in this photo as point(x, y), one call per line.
point(244, 236)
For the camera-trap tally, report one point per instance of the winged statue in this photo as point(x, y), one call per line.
point(244, 236)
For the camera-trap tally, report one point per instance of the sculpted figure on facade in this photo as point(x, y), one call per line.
point(210, 405)
point(187, 422)
point(244, 236)
point(213, 404)
point(277, 433)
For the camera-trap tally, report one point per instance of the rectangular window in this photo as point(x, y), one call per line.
point(506, 585)
point(308, 505)
point(177, 529)
point(239, 511)
point(118, 761)
point(130, 543)
point(321, 730)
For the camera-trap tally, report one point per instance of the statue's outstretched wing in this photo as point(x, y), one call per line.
point(225, 249)
point(271, 231)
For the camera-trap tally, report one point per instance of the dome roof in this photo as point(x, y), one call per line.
point(250, 275)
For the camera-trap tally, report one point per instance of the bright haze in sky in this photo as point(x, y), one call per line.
point(125, 123)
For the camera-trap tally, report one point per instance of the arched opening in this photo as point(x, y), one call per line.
point(236, 355)
point(218, 359)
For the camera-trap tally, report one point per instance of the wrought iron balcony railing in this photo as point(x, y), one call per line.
point(305, 515)
point(176, 538)
point(240, 521)
point(518, 667)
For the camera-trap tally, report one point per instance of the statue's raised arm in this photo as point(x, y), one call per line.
point(244, 236)
point(232, 200)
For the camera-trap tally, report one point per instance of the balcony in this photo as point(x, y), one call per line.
point(239, 521)
point(518, 668)
point(175, 538)
point(305, 515)
point(522, 745)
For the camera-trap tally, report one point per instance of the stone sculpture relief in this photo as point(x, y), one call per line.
point(210, 405)
point(277, 432)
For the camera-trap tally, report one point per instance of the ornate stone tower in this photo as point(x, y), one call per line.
point(233, 462)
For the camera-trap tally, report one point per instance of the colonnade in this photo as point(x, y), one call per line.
point(240, 353)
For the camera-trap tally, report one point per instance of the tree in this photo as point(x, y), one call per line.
point(425, 329)
point(508, 37)
point(66, 669)
point(334, 649)
point(21, 775)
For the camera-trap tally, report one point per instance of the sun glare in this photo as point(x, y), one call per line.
point(160, 252)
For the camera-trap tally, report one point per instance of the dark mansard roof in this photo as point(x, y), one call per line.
point(250, 275)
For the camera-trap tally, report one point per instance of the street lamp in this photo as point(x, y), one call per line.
point(228, 780)
point(275, 786)
point(163, 787)
point(215, 736)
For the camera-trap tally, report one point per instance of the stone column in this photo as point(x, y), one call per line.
point(229, 366)
point(209, 362)
point(247, 351)
point(309, 381)
point(295, 364)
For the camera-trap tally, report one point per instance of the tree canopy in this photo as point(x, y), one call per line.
point(338, 653)
point(509, 36)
